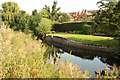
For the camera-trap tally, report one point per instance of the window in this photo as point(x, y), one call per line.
point(75, 19)
point(81, 18)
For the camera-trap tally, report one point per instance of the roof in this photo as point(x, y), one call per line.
point(70, 16)
point(89, 13)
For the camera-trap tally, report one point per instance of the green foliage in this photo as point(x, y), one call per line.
point(66, 60)
point(34, 22)
point(21, 21)
point(53, 15)
point(111, 73)
point(44, 26)
point(105, 18)
point(54, 11)
point(9, 9)
point(0, 17)
point(45, 12)
point(77, 32)
point(76, 26)
point(64, 18)
point(34, 12)
point(117, 18)
point(86, 29)
point(22, 57)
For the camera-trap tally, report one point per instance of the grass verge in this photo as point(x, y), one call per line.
point(106, 41)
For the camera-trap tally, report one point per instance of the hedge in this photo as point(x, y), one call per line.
point(75, 26)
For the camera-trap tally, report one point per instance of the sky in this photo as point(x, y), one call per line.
point(66, 5)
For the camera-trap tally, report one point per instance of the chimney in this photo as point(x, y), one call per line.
point(83, 11)
point(86, 11)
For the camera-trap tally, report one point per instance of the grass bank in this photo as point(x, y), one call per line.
point(106, 41)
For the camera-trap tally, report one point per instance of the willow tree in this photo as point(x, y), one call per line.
point(9, 9)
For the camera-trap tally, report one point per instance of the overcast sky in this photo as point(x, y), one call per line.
point(66, 5)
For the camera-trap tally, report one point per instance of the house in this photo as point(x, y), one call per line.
point(79, 16)
point(71, 17)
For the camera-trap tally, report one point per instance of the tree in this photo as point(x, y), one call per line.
point(116, 19)
point(21, 22)
point(54, 11)
point(34, 22)
point(9, 9)
point(43, 28)
point(0, 17)
point(45, 12)
point(104, 18)
point(64, 18)
point(53, 15)
point(34, 12)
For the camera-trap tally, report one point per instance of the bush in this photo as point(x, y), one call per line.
point(109, 72)
point(43, 27)
point(77, 32)
point(22, 57)
point(75, 26)
point(86, 29)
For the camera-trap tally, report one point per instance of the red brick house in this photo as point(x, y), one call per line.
point(79, 16)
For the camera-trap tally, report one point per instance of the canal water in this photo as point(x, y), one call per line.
point(84, 58)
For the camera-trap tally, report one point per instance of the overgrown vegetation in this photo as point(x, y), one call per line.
point(43, 27)
point(107, 18)
point(19, 20)
point(22, 57)
point(109, 72)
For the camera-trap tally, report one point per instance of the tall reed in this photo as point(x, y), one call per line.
point(22, 57)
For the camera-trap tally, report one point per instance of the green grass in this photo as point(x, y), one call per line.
point(106, 41)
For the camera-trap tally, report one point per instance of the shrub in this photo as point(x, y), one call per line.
point(22, 57)
point(43, 27)
point(77, 32)
point(75, 26)
point(109, 72)
point(86, 29)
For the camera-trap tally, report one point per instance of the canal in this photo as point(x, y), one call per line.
point(84, 58)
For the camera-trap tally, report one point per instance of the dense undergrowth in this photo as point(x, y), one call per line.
point(22, 57)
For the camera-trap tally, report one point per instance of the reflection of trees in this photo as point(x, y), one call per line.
point(110, 58)
point(53, 52)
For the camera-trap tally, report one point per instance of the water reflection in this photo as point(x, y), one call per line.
point(87, 59)
point(110, 58)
